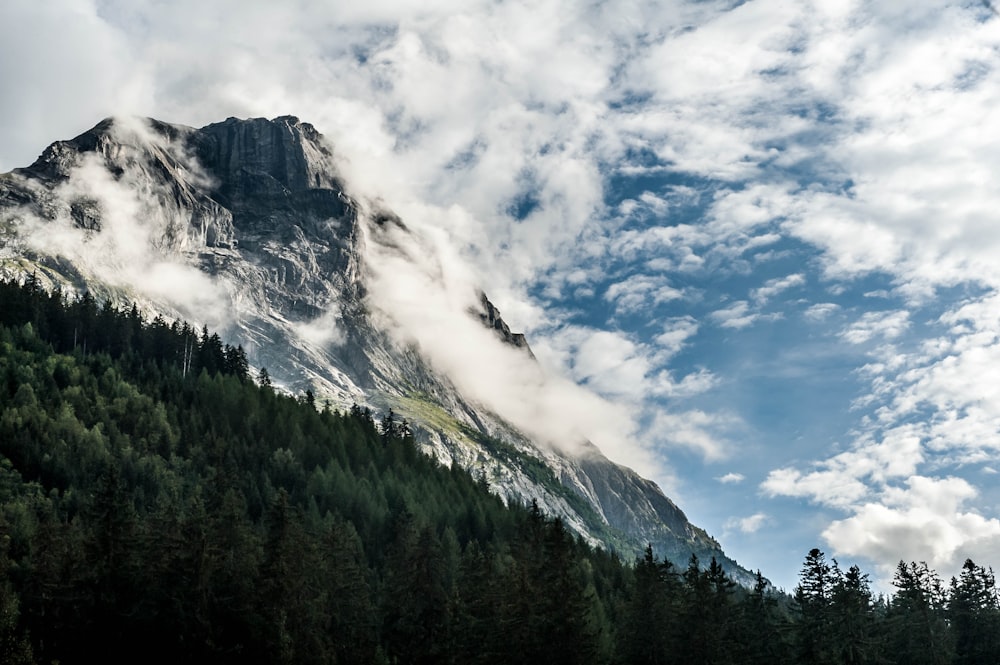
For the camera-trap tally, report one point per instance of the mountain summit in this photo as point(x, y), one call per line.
point(248, 226)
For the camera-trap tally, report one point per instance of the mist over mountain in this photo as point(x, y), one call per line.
point(249, 227)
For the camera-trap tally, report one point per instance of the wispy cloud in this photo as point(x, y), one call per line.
point(932, 413)
point(144, 234)
point(751, 524)
point(737, 315)
point(775, 286)
point(821, 311)
point(676, 333)
point(873, 325)
point(617, 366)
point(638, 291)
point(710, 435)
point(731, 478)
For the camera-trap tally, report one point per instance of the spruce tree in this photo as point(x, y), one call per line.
point(813, 635)
point(974, 615)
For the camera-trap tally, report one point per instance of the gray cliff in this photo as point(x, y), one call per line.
point(258, 207)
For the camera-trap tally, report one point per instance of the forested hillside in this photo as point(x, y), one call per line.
point(161, 505)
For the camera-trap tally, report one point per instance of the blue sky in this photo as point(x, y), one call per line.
point(764, 231)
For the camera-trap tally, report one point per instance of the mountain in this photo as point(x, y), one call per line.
point(248, 226)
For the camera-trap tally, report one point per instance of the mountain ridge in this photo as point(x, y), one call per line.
point(256, 215)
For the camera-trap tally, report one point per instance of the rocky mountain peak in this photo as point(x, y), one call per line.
point(56, 160)
point(278, 156)
point(249, 221)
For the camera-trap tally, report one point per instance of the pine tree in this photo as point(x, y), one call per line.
point(705, 614)
point(918, 629)
point(974, 614)
point(236, 362)
point(648, 632)
point(813, 634)
point(759, 634)
point(854, 620)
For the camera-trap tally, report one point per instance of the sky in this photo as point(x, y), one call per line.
point(757, 238)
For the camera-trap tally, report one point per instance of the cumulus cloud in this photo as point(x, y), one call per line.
point(731, 478)
point(828, 486)
point(925, 520)
point(844, 479)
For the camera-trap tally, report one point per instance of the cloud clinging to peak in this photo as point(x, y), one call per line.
point(640, 187)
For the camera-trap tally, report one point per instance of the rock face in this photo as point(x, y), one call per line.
point(246, 225)
point(490, 316)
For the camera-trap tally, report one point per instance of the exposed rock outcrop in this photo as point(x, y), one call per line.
point(258, 207)
point(490, 316)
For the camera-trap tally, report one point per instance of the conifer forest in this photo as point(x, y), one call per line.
point(162, 503)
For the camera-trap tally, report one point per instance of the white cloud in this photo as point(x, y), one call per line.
point(736, 315)
point(933, 408)
point(731, 478)
point(640, 291)
point(668, 248)
point(775, 286)
point(323, 330)
point(751, 524)
point(828, 486)
point(618, 367)
point(140, 247)
point(677, 331)
point(927, 520)
point(63, 68)
point(708, 434)
point(820, 311)
point(840, 481)
point(423, 293)
point(871, 325)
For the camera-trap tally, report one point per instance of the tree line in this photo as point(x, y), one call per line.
point(157, 503)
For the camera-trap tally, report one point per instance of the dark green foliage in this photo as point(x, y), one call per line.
point(649, 629)
point(917, 626)
point(758, 632)
point(707, 614)
point(158, 506)
point(854, 637)
point(974, 613)
point(813, 602)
